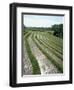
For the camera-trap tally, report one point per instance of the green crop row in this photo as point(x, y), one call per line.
point(50, 57)
point(35, 65)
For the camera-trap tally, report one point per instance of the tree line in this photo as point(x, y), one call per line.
point(56, 28)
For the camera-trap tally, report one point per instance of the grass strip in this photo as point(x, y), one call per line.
point(52, 50)
point(59, 66)
point(44, 38)
point(58, 42)
point(35, 65)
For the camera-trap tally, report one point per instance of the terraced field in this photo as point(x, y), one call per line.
point(42, 53)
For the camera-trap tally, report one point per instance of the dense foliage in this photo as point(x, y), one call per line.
point(58, 30)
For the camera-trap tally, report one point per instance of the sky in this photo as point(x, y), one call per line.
point(42, 21)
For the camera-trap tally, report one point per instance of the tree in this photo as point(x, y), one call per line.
point(58, 30)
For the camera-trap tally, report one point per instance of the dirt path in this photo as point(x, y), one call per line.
point(27, 66)
point(45, 65)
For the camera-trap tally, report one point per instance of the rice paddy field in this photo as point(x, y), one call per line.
point(42, 53)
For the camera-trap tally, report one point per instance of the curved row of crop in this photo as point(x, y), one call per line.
point(49, 56)
point(59, 49)
point(56, 41)
point(35, 66)
point(54, 38)
point(50, 44)
point(51, 49)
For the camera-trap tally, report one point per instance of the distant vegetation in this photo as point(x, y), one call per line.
point(57, 29)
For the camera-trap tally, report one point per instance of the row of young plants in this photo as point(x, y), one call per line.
point(57, 62)
point(48, 45)
point(57, 41)
point(53, 43)
point(35, 65)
